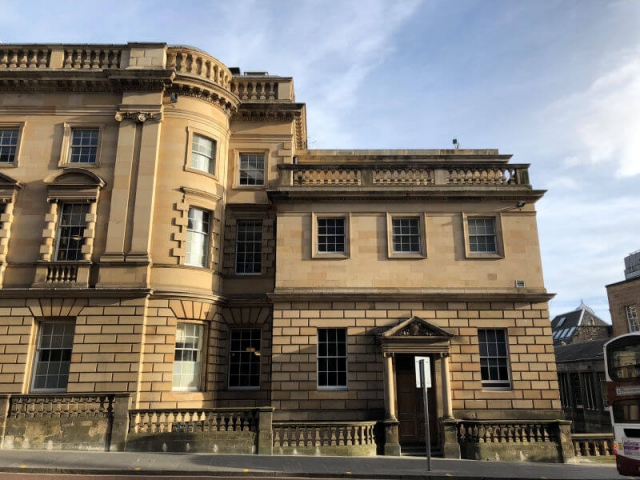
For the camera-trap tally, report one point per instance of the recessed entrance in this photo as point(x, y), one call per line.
point(411, 406)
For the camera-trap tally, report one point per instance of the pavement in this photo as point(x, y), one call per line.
point(252, 466)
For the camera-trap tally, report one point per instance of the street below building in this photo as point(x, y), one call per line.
point(54, 465)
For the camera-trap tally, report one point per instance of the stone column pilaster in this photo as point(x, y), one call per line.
point(389, 389)
point(391, 435)
point(446, 388)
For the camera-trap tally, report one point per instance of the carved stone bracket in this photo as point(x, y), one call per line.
point(138, 117)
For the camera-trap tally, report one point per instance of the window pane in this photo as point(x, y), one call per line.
point(406, 235)
point(187, 366)
point(332, 357)
point(244, 358)
point(8, 144)
point(482, 235)
point(494, 361)
point(53, 356)
point(84, 145)
point(331, 235)
point(251, 169)
point(203, 154)
point(198, 233)
point(71, 226)
point(249, 247)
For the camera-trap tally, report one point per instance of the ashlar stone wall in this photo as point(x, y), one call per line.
point(531, 360)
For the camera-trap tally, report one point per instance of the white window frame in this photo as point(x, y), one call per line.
point(5, 145)
point(66, 346)
point(324, 355)
point(202, 234)
point(189, 343)
point(244, 351)
point(68, 146)
point(502, 359)
point(210, 159)
point(73, 232)
point(315, 233)
point(631, 313)
point(497, 224)
point(246, 248)
point(421, 252)
point(247, 170)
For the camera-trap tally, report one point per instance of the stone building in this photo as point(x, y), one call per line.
point(180, 271)
point(579, 337)
point(624, 297)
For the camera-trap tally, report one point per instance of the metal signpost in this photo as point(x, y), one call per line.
point(423, 365)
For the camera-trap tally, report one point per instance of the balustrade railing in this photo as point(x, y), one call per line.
point(506, 432)
point(323, 434)
point(193, 62)
point(404, 175)
point(62, 273)
point(192, 420)
point(261, 89)
point(327, 176)
point(592, 444)
point(24, 57)
point(504, 175)
point(92, 58)
point(37, 406)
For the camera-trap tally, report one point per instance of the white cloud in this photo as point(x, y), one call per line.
point(600, 125)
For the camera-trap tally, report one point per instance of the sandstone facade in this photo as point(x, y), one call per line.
point(166, 234)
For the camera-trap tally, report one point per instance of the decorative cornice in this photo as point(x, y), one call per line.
point(138, 117)
point(109, 81)
point(212, 94)
point(430, 295)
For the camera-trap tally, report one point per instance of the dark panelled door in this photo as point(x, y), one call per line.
point(410, 404)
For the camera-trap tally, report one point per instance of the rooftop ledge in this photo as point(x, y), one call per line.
point(192, 67)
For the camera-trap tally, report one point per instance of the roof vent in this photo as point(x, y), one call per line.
point(519, 283)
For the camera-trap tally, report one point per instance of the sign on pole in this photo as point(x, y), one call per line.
point(427, 371)
point(423, 367)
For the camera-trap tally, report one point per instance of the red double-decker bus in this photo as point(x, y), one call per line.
point(622, 364)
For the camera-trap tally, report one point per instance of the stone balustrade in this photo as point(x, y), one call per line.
point(24, 56)
point(196, 420)
point(92, 57)
point(326, 438)
point(188, 61)
point(489, 432)
point(256, 89)
point(511, 440)
point(62, 273)
point(592, 444)
point(471, 175)
point(403, 175)
point(327, 176)
point(36, 406)
point(46, 421)
point(212, 430)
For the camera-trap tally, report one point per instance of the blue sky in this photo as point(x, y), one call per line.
point(555, 83)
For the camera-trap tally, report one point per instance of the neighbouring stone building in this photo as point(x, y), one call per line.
point(624, 297)
point(180, 272)
point(579, 337)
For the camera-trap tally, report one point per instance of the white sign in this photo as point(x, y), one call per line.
point(628, 390)
point(427, 371)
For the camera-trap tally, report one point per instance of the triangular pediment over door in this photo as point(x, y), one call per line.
point(415, 335)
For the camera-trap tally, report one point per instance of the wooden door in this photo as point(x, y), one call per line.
point(411, 405)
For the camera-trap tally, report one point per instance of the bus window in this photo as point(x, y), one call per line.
point(627, 411)
point(624, 363)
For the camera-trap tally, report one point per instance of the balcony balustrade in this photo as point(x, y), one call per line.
point(404, 175)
